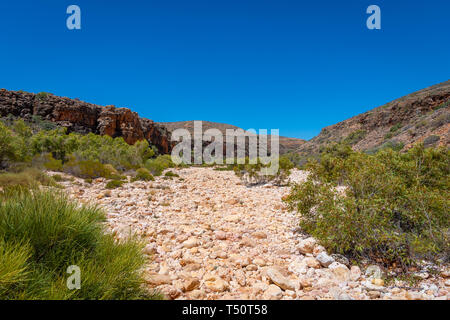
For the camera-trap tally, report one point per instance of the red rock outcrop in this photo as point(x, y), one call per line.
point(82, 117)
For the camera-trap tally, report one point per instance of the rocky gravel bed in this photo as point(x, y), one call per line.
point(210, 237)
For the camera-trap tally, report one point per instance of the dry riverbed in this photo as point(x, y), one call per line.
point(210, 237)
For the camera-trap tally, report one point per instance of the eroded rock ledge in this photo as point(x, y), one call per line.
point(83, 117)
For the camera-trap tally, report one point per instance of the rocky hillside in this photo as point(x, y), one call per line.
point(82, 117)
point(423, 116)
point(286, 144)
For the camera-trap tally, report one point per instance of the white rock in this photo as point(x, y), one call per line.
point(324, 259)
point(373, 271)
point(307, 245)
point(191, 243)
point(273, 292)
point(355, 273)
point(340, 271)
point(280, 280)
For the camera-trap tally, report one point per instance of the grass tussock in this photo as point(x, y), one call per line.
point(43, 233)
point(29, 177)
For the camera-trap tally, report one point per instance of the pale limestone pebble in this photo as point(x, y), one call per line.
point(412, 295)
point(369, 286)
point(298, 267)
point(273, 292)
point(215, 283)
point(259, 235)
point(312, 262)
point(239, 275)
point(355, 273)
point(307, 245)
point(373, 271)
point(446, 273)
point(280, 280)
point(240, 260)
point(341, 271)
point(158, 279)
point(259, 262)
point(191, 284)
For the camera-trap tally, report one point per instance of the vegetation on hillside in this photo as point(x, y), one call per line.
point(387, 207)
point(87, 156)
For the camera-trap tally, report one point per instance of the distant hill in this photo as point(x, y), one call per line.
point(286, 144)
point(422, 116)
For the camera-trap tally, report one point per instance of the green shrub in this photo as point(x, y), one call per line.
point(442, 105)
point(158, 165)
point(90, 169)
point(143, 174)
point(254, 174)
point(58, 178)
point(224, 168)
point(388, 145)
point(9, 146)
point(113, 184)
point(52, 163)
point(28, 178)
point(42, 96)
point(440, 121)
point(171, 174)
point(394, 206)
point(43, 233)
point(18, 143)
point(395, 127)
point(355, 137)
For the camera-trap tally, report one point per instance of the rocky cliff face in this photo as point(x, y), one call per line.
point(82, 117)
point(423, 116)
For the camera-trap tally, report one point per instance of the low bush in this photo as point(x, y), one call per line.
point(388, 145)
point(171, 174)
point(113, 184)
point(52, 163)
point(57, 150)
point(43, 233)
point(90, 169)
point(9, 146)
point(158, 165)
point(395, 127)
point(143, 174)
point(355, 137)
point(390, 206)
point(30, 177)
point(254, 174)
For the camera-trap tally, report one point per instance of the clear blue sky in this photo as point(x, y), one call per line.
point(293, 65)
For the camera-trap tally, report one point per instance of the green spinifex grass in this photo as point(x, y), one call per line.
point(42, 233)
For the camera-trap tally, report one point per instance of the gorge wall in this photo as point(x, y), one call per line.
point(82, 117)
